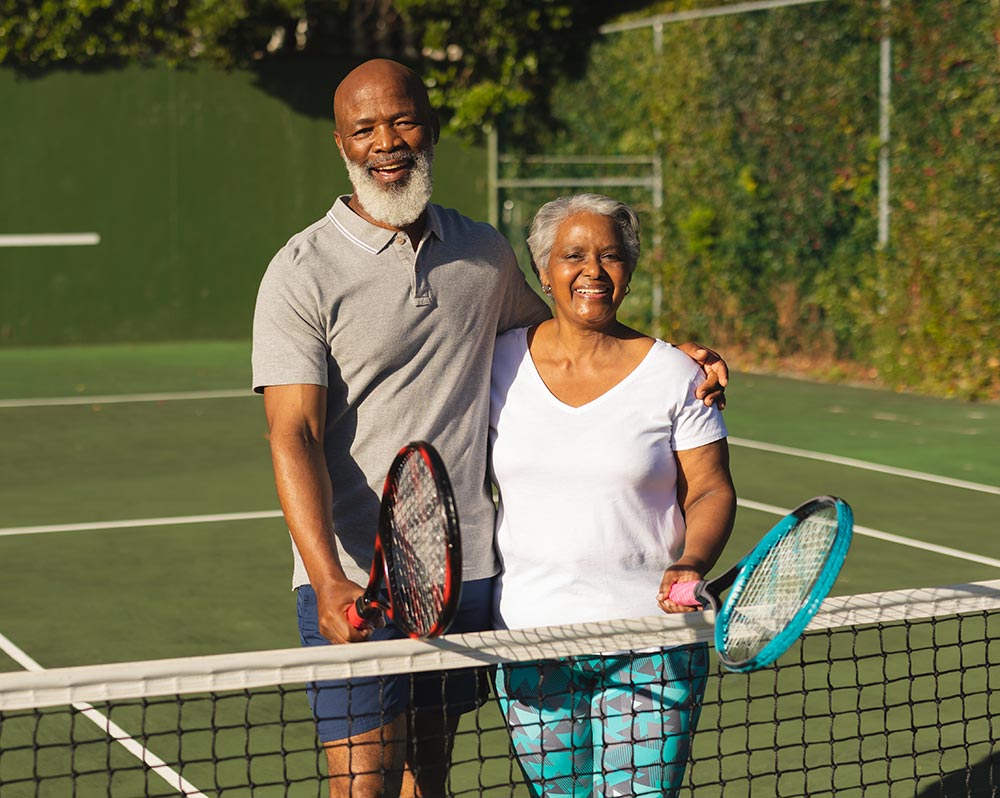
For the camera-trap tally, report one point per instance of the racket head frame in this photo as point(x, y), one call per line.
point(739, 576)
point(370, 603)
point(448, 517)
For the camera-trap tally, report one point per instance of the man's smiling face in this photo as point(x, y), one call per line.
point(386, 133)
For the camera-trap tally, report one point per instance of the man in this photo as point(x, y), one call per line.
point(375, 326)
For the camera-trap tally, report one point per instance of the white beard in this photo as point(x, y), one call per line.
point(399, 204)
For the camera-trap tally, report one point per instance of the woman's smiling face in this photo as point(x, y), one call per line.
point(588, 270)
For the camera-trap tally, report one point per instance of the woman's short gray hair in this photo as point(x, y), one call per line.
point(552, 214)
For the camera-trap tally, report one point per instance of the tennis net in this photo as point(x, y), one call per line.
point(887, 694)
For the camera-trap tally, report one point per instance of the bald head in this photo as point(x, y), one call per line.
point(376, 78)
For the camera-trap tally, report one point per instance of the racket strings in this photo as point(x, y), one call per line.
point(781, 584)
point(417, 564)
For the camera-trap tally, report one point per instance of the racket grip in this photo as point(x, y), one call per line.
point(360, 613)
point(683, 593)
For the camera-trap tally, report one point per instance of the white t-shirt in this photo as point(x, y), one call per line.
point(588, 518)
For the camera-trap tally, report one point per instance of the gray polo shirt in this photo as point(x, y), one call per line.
point(403, 342)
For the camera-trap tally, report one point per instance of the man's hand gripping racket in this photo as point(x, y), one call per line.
point(776, 589)
point(418, 555)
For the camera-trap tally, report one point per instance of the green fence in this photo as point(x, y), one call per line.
point(191, 178)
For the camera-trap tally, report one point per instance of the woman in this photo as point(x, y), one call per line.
point(614, 483)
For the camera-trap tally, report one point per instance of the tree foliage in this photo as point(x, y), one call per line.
point(932, 306)
point(767, 127)
point(481, 59)
point(39, 35)
point(490, 58)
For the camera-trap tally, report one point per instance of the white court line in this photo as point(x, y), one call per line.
point(111, 729)
point(774, 448)
point(867, 532)
point(862, 464)
point(140, 522)
point(51, 240)
point(209, 519)
point(124, 398)
point(58, 401)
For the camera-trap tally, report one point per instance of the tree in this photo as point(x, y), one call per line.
point(63, 33)
point(480, 59)
point(501, 57)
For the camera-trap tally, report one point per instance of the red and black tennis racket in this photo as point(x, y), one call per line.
point(418, 555)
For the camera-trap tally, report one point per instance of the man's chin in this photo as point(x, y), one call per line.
point(397, 203)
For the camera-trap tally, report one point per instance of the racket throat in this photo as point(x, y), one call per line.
point(709, 600)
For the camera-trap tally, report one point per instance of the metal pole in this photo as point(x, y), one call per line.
point(884, 99)
point(657, 292)
point(705, 13)
point(492, 176)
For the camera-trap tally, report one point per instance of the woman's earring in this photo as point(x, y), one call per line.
point(547, 289)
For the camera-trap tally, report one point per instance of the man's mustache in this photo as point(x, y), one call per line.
point(406, 157)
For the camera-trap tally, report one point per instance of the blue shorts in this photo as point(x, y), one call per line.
point(346, 707)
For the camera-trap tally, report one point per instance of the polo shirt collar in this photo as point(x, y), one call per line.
point(433, 223)
point(369, 236)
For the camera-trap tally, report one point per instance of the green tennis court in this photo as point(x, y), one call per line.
point(138, 517)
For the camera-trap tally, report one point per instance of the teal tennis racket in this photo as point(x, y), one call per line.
point(776, 589)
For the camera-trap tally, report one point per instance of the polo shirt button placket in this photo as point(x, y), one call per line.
point(421, 295)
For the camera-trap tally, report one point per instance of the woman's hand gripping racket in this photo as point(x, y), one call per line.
point(776, 588)
point(418, 555)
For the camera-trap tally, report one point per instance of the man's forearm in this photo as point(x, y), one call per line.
point(306, 497)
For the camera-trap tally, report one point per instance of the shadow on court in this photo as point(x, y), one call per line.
point(981, 780)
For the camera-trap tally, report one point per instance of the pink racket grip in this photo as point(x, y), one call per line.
point(683, 593)
point(356, 618)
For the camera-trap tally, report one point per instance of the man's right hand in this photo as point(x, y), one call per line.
point(332, 604)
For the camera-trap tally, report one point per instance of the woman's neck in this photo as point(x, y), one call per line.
point(578, 343)
point(577, 365)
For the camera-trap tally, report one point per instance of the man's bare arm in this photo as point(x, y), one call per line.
point(296, 418)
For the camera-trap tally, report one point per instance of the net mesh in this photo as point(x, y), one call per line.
point(780, 585)
point(887, 694)
point(417, 561)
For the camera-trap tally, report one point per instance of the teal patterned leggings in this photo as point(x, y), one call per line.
point(602, 726)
